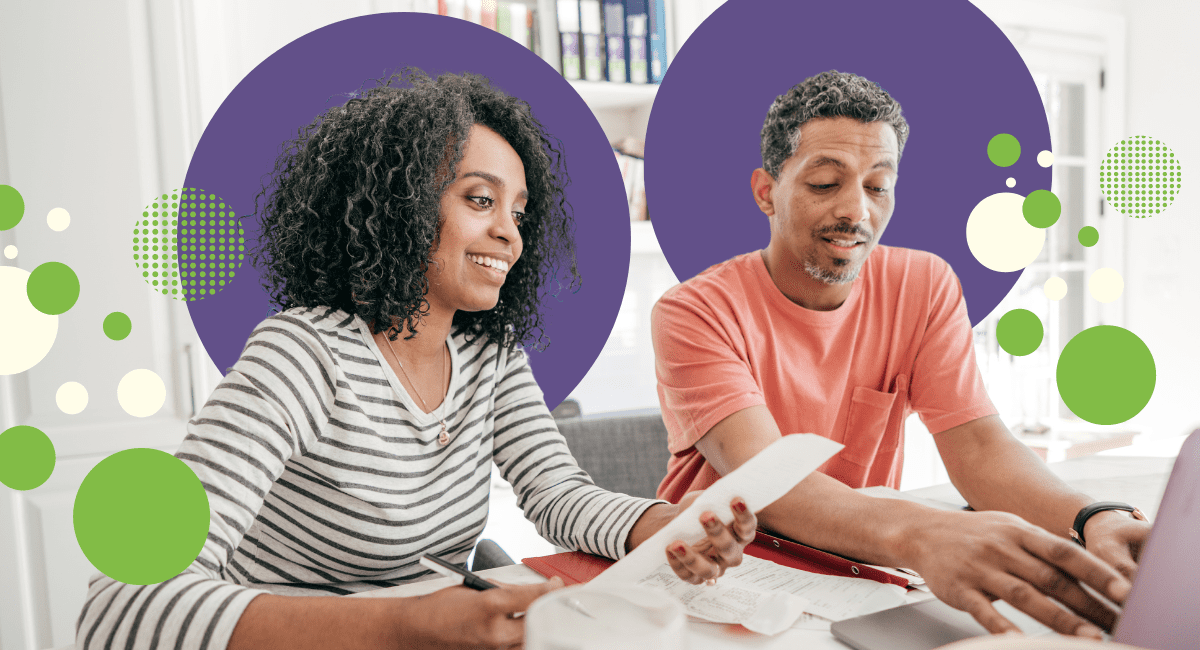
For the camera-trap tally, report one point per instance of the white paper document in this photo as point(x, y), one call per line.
point(728, 602)
point(759, 481)
point(831, 597)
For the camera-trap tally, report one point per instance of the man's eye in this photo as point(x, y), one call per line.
point(878, 190)
point(823, 186)
point(482, 201)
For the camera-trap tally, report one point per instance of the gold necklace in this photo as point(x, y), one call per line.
point(444, 436)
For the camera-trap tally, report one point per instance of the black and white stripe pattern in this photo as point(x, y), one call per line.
point(324, 477)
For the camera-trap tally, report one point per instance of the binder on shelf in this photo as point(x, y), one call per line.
point(533, 30)
point(568, 34)
point(504, 22)
point(614, 40)
point(658, 39)
point(511, 21)
point(452, 8)
point(472, 11)
point(487, 13)
point(636, 51)
point(591, 34)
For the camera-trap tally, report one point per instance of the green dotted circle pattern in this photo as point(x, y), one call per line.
point(188, 244)
point(1140, 176)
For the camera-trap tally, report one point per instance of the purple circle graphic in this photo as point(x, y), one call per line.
point(958, 78)
point(322, 69)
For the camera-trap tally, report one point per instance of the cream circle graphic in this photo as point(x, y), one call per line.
point(71, 397)
point(1000, 237)
point(10, 251)
point(58, 219)
point(1010, 182)
point(1055, 288)
point(141, 393)
point(26, 334)
point(1045, 158)
point(1106, 285)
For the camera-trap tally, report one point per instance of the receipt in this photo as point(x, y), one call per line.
point(831, 597)
point(759, 481)
point(727, 602)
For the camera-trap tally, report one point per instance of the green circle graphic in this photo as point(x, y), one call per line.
point(1041, 208)
point(117, 326)
point(52, 288)
point(1089, 236)
point(26, 457)
point(141, 516)
point(188, 243)
point(1019, 332)
point(12, 207)
point(1003, 150)
point(1106, 374)
point(1140, 176)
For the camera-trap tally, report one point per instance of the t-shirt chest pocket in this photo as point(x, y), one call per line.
point(870, 427)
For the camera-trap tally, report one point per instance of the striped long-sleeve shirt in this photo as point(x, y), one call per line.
point(324, 477)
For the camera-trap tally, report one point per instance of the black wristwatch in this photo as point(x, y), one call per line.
point(1087, 511)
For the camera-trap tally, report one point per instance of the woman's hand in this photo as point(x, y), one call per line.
point(708, 558)
point(458, 617)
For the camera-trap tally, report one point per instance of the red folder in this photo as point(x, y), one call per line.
point(577, 567)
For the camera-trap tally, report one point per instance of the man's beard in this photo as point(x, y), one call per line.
point(845, 275)
point(849, 270)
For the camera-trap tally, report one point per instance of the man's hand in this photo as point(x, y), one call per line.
point(969, 559)
point(1116, 538)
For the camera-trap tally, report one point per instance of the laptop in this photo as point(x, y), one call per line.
point(1159, 614)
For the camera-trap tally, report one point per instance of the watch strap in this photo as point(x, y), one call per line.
point(1087, 511)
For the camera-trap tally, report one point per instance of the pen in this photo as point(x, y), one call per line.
point(438, 565)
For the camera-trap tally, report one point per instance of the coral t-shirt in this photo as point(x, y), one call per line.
point(728, 339)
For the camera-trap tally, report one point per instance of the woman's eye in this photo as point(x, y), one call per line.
point(482, 201)
point(518, 217)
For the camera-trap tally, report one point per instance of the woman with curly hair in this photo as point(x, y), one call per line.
point(408, 239)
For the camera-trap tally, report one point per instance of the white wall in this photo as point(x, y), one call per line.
point(1162, 285)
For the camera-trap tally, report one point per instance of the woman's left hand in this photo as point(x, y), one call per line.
point(721, 549)
point(708, 558)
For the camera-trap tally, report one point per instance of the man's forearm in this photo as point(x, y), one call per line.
point(824, 513)
point(992, 470)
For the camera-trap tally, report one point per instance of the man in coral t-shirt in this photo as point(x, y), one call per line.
point(824, 332)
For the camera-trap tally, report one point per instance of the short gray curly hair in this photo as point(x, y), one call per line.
point(829, 94)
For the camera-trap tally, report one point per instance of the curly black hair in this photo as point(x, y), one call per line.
point(829, 94)
point(351, 213)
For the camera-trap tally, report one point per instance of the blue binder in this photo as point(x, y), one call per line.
point(658, 39)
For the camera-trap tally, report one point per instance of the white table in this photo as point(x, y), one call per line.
point(1137, 480)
